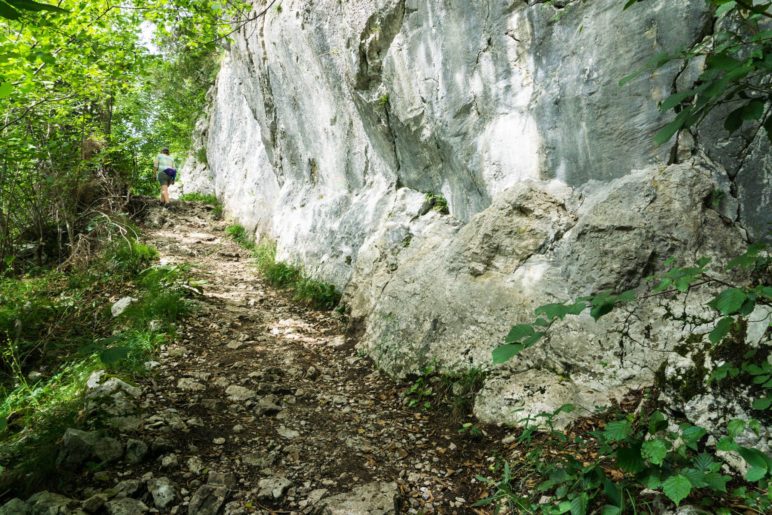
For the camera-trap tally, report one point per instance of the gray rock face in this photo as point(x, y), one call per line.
point(329, 125)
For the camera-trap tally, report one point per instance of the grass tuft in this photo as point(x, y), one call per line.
point(315, 293)
point(207, 199)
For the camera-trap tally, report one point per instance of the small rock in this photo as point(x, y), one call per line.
point(287, 433)
point(125, 506)
point(221, 478)
point(207, 500)
point(195, 465)
point(95, 503)
point(163, 492)
point(190, 385)
point(268, 406)
point(371, 499)
point(239, 393)
point(119, 307)
point(127, 488)
point(219, 441)
point(273, 488)
point(136, 450)
point(312, 372)
point(170, 461)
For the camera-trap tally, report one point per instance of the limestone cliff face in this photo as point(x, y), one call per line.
point(331, 120)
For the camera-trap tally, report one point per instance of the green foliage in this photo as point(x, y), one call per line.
point(643, 445)
point(130, 256)
point(383, 100)
point(736, 66)
point(315, 293)
point(56, 330)
point(419, 394)
point(437, 202)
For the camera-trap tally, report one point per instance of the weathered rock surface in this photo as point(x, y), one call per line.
point(329, 124)
point(369, 499)
point(79, 447)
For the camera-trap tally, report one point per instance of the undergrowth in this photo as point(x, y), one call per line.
point(284, 275)
point(56, 330)
point(649, 458)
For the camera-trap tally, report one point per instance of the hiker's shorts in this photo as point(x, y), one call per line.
point(164, 179)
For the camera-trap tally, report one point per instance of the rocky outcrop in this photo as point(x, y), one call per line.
point(330, 122)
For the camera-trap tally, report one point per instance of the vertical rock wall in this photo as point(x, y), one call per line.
point(331, 120)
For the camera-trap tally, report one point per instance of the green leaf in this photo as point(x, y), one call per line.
point(692, 435)
point(657, 422)
point(757, 461)
point(722, 329)
point(695, 477)
point(601, 309)
point(725, 8)
point(727, 444)
point(734, 120)
point(610, 510)
point(735, 427)
point(29, 5)
point(654, 451)
point(557, 310)
point(6, 88)
point(579, 504)
point(729, 301)
point(8, 12)
point(617, 431)
point(674, 100)
point(704, 462)
point(519, 332)
point(504, 353)
point(629, 459)
point(677, 488)
point(612, 491)
point(716, 481)
point(762, 404)
point(667, 132)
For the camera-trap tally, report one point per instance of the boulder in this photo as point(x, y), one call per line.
point(79, 447)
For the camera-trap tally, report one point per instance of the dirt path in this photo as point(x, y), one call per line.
point(265, 406)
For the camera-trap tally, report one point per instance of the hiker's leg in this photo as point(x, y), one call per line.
point(165, 193)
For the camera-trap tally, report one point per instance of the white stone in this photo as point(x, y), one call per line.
point(120, 306)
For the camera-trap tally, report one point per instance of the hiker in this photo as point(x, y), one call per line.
point(166, 172)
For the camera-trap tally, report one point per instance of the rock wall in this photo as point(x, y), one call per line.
point(331, 120)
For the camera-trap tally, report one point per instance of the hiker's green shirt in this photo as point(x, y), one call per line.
point(162, 162)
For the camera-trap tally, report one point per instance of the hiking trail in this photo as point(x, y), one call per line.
point(262, 405)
